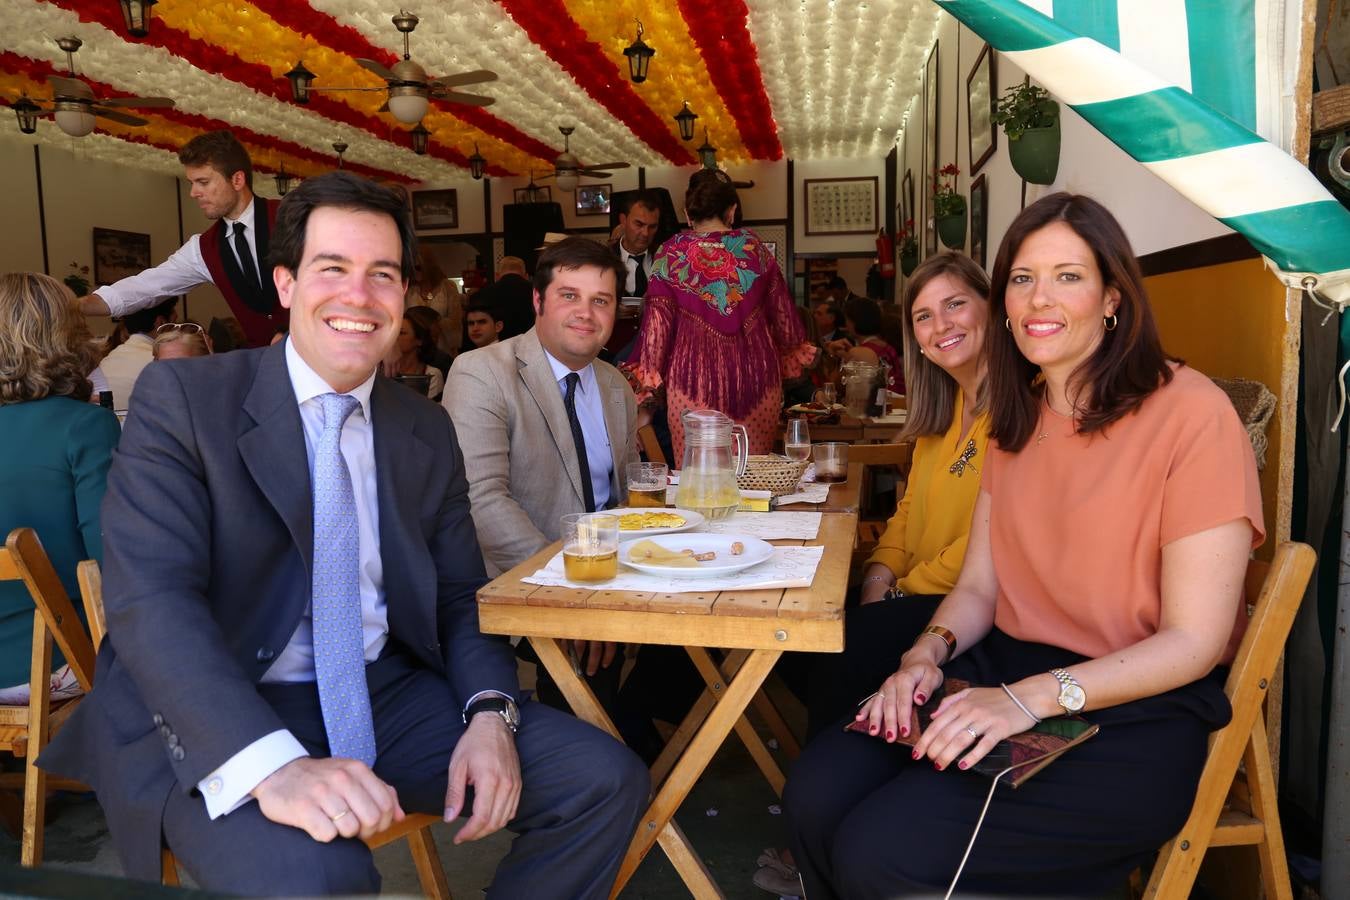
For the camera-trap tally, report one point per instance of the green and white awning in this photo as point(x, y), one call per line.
point(1188, 104)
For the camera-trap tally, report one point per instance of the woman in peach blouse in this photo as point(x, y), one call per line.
point(1102, 576)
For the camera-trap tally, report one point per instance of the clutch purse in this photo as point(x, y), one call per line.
point(1024, 754)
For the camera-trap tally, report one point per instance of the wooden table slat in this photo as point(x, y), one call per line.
point(566, 598)
point(748, 603)
point(620, 600)
point(700, 602)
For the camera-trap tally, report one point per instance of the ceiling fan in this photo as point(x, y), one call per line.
point(73, 104)
point(567, 168)
point(408, 84)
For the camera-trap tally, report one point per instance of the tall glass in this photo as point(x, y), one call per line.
point(831, 461)
point(590, 546)
point(797, 440)
point(647, 484)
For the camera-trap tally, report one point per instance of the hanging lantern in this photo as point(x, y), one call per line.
point(300, 79)
point(639, 57)
point(419, 139)
point(477, 164)
point(707, 154)
point(340, 148)
point(27, 112)
point(136, 15)
point(685, 119)
point(283, 179)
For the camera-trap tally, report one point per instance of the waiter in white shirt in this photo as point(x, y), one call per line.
point(231, 254)
point(639, 222)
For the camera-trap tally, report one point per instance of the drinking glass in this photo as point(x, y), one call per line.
point(831, 461)
point(797, 440)
point(647, 484)
point(590, 546)
point(826, 396)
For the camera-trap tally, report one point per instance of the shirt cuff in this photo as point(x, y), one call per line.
point(227, 788)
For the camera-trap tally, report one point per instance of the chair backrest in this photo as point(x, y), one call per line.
point(23, 559)
point(1274, 591)
point(650, 445)
point(90, 578)
point(882, 454)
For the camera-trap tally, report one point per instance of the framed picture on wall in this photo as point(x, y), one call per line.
point(435, 209)
point(931, 121)
point(841, 205)
point(979, 220)
point(536, 194)
point(907, 211)
point(118, 254)
point(981, 132)
point(593, 199)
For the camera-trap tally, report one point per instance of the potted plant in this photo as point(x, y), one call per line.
point(1030, 119)
point(949, 208)
point(909, 248)
point(78, 279)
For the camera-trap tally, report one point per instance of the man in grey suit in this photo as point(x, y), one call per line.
point(293, 655)
point(547, 428)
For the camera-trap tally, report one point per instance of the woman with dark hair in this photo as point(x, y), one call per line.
point(54, 457)
point(430, 351)
point(1102, 575)
point(719, 327)
point(406, 356)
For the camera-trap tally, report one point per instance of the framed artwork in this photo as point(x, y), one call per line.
point(536, 195)
point(979, 220)
point(435, 209)
point(982, 134)
point(593, 199)
point(118, 254)
point(841, 205)
point(931, 121)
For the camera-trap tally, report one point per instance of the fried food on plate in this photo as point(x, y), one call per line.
point(644, 520)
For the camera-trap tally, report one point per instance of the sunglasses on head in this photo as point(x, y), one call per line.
point(185, 327)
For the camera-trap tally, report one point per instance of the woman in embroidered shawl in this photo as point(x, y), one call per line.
point(719, 328)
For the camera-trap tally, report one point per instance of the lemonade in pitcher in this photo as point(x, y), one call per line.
point(714, 454)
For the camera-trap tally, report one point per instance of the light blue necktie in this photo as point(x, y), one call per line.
point(339, 645)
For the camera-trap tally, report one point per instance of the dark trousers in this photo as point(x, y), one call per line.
point(583, 793)
point(868, 822)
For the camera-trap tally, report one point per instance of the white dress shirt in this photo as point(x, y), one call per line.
point(629, 285)
point(183, 270)
point(591, 413)
point(123, 366)
point(228, 787)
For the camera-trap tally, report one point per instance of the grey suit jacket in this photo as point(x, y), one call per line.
point(518, 450)
point(207, 554)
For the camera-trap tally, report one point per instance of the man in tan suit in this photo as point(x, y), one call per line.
point(546, 428)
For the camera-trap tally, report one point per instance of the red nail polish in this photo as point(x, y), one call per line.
point(872, 730)
point(914, 755)
point(920, 699)
point(963, 765)
point(890, 735)
point(904, 731)
point(937, 766)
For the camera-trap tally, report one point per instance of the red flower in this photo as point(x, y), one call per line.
point(949, 169)
point(713, 261)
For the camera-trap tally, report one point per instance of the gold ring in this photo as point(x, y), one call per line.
point(339, 815)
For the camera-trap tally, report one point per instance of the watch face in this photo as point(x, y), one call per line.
point(1072, 698)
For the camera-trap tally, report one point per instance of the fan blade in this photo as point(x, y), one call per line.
point(118, 116)
point(467, 99)
point(68, 87)
point(476, 77)
point(143, 102)
point(600, 170)
point(548, 176)
point(377, 68)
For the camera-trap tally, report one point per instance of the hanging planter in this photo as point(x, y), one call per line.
point(1030, 119)
point(949, 208)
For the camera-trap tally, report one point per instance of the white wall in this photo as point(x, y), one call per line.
point(835, 168)
point(21, 246)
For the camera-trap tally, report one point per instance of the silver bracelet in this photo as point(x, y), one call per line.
point(1020, 705)
point(881, 578)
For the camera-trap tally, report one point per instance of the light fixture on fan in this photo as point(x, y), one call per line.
point(639, 57)
point(136, 16)
point(477, 164)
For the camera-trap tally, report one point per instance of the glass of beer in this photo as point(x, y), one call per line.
point(797, 440)
point(647, 484)
point(590, 546)
point(831, 461)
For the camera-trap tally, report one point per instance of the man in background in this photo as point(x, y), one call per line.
point(512, 297)
point(123, 365)
point(484, 324)
point(638, 221)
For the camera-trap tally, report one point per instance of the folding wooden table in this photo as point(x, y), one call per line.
point(754, 626)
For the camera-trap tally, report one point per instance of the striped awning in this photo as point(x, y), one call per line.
point(1187, 88)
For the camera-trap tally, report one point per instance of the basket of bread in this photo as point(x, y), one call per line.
point(776, 474)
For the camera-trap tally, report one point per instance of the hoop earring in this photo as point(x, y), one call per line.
point(1007, 323)
point(1110, 322)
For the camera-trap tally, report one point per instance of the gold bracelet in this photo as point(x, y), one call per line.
point(947, 638)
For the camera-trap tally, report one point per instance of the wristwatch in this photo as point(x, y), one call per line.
point(502, 706)
point(1071, 697)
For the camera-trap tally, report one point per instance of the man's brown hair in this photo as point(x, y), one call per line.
point(220, 151)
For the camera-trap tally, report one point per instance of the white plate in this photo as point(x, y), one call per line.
point(755, 552)
point(691, 520)
point(801, 409)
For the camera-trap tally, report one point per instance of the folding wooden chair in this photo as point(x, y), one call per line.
point(869, 455)
point(651, 447)
point(25, 730)
point(1235, 807)
point(416, 827)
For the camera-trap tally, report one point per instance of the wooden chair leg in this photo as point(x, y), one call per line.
point(1261, 784)
point(35, 780)
point(168, 868)
point(430, 873)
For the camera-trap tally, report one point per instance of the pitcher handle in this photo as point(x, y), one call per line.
point(741, 441)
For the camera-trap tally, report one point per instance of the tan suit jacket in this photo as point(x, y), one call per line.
point(519, 455)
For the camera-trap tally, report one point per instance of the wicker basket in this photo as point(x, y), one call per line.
point(776, 474)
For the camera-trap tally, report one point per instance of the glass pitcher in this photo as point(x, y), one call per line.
point(714, 454)
point(860, 380)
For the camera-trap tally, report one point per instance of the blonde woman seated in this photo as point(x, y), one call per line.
point(1102, 575)
point(180, 340)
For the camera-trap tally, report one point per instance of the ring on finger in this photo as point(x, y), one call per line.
point(339, 815)
point(973, 733)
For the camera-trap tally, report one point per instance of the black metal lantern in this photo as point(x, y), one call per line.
point(707, 154)
point(27, 112)
point(419, 139)
point(685, 119)
point(283, 179)
point(639, 57)
point(340, 147)
point(300, 79)
point(477, 164)
point(136, 15)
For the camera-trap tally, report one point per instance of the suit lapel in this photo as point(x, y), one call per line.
point(537, 375)
point(269, 449)
point(612, 389)
point(403, 466)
